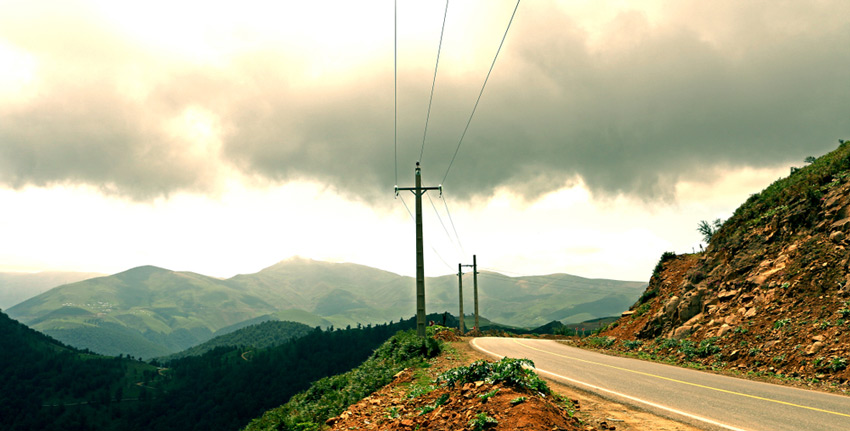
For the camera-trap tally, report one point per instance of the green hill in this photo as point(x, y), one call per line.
point(146, 311)
point(151, 312)
point(40, 376)
point(258, 336)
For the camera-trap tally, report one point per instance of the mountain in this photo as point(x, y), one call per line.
point(146, 311)
point(771, 293)
point(20, 286)
point(151, 312)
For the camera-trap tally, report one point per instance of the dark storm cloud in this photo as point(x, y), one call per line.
point(649, 106)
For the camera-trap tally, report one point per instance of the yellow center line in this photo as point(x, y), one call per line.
point(684, 382)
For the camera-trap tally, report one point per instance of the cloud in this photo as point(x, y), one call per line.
point(632, 107)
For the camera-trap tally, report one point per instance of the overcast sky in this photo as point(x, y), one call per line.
point(222, 137)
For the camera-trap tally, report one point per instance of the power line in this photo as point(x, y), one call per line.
point(446, 204)
point(434, 82)
point(395, 86)
point(431, 246)
point(441, 220)
point(481, 92)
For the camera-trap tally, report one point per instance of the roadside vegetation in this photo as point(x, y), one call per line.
point(330, 396)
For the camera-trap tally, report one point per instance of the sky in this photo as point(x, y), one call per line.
point(223, 137)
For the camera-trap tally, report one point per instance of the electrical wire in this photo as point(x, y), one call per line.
point(441, 222)
point(446, 204)
point(480, 93)
point(395, 86)
point(429, 245)
point(434, 82)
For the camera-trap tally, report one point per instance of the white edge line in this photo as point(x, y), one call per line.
point(638, 400)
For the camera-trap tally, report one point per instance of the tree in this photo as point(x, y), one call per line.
point(709, 229)
point(810, 159)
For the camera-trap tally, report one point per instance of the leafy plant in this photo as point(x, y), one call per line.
point(518, 400)
point(481, 421)
point(632, 344)
point(509, 371)
point(838, 364)
point(601, 341)
point(488, 395)
point(781, 323)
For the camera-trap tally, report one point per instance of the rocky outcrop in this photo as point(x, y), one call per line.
point(772, 290)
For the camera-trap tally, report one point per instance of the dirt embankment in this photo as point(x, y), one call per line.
point(397, 406)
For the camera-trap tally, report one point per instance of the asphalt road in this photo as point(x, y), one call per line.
point(704, 400)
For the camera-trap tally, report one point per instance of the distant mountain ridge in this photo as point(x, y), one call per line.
point(16, 287)
point(149, 311)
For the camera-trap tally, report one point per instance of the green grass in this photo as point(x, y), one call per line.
point(330, 396)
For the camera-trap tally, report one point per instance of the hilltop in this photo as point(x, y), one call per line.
point(771, 293)
point(153, 312)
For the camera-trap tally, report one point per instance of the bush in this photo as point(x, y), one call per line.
point(509, 371)
point(667, 255)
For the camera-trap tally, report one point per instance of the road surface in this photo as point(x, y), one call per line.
point(704, 400)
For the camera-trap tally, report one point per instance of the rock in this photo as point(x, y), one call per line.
point(817, 338)
point(750, 313)
point(726, 295)
point(681, 332)
point(671, 306)
point(724, 329)
point(837, 236)
point(733, 319)
point(627, 313)
point(694, 320)
point(813, 348)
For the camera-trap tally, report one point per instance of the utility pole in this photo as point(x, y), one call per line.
point(460, 295)
point(475, 289)
point(418, 191)
point(474, 267)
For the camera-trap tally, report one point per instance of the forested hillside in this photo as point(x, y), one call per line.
point(45, 385)
point(259, 336)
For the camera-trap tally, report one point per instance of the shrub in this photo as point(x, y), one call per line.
point(509, 371)
point(667, 255)
point(632, 344)
point(481, 422)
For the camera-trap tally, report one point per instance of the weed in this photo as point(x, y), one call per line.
point(601, 341)
point(481, 421)
point(779, 359)
point(670, 343)
point(393, 413)
point(424, 410)
point(781, 323)
point(632, 344)
point(754, 351)
point(643, 309)
point(518, 400)
point(844, 313)
point(488, 395)
point(838, 364)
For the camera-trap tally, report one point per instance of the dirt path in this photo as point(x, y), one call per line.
point(595, 409)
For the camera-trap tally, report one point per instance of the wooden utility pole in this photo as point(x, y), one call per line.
point(460, 295)
point(475, 289)
point(418, 191)
point(474, 267)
